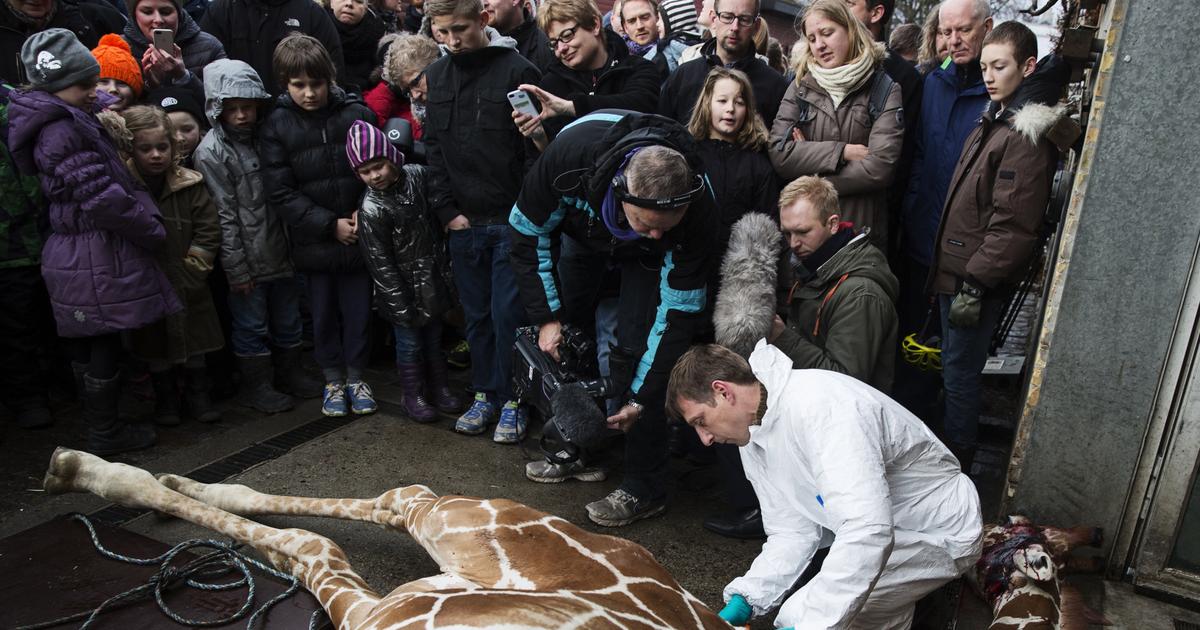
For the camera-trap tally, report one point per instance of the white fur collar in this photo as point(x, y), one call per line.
point(1033, 120)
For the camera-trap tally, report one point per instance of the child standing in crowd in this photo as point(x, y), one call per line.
point(406, 256)
point(359, 30)
point(312, 186)
point(264, 293)
point(193, 237)
point(187, 118)
point(120, 74)
point(97, 262)
point(732, 144)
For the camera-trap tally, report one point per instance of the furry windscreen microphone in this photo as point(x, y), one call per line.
point(745, 305)
point(577, 416)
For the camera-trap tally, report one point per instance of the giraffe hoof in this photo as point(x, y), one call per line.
point(60, 476)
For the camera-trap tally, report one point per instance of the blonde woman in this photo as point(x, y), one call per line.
point(842, 117)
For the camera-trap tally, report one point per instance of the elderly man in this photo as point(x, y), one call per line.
point(22, 18)
point(835, 464)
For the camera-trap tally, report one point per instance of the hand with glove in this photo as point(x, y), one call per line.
point(736, 612)
point(965, 308)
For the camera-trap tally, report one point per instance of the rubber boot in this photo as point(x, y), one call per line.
point(197, 389)
point(256, 389)
point(107, 434)
point(290, 377)
point(166, 398)
point(439, 385)
point(413, 385)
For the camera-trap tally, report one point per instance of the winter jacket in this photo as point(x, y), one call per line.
point(476, 154)
point(533, 44)
point(837, 464)
point(359, 44)
point(742, 181)
point(998, 194)
point(387, 104)
point(254, 246)
point(625, 82)
point(98, 262)
point(952, 100)
point(22, 209)
point(405, 251)
point(665, 56)
point(309, 180)
point(89, 21)
point(563, 194)
point(682, 89)
point(192, 231)
point(250, 29)
point(199, 48)
point(843, 318)
point(862, 185)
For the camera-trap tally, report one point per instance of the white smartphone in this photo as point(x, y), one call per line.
point(520, 101)
point(164, 40)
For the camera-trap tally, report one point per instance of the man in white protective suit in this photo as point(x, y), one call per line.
point(837, 464)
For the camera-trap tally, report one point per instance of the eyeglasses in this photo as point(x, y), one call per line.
point(743, 20)
point(564, 37)
point(407, 88)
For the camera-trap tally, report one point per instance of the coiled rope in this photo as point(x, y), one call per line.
point(196, 574)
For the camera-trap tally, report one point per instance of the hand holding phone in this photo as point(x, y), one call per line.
point(521, 102)
point(164, 40)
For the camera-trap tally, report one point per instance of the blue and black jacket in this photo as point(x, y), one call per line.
point(562, 195)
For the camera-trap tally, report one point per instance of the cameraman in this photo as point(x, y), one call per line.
point(627, 191)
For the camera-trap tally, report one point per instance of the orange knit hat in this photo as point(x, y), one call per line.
point(117, 62)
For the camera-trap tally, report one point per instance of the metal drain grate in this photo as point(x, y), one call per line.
point(240, 462)
point(1185, 625)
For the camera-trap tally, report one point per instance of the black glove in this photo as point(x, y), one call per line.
point(964, 310)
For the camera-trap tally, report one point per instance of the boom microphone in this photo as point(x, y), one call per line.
point(745, 306)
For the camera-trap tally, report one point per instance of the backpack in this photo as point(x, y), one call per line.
point(881, 85)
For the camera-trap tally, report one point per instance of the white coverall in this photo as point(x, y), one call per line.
point(836, 461)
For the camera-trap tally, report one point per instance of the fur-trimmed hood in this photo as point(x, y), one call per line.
point(1035, 111)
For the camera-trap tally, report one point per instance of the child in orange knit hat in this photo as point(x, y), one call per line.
point(120, 74)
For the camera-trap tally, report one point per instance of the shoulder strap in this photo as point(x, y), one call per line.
point(817, 324)
point(881, 86)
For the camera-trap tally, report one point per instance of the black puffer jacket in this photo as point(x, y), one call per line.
point(359, 44)
point(89, 21)
point(742, 180)
point(309, 180)
point(250, 29)
point(625, 82)
point(682, 88)
point(476, 154)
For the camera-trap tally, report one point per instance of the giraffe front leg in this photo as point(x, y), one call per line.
point(319, 563)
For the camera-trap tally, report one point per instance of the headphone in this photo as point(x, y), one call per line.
point(621, 190)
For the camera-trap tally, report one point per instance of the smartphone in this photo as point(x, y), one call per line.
point(164, 40)
point(520, 101)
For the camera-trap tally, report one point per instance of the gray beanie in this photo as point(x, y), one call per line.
point(54, 60)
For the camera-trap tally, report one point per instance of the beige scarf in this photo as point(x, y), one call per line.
point(844, 79)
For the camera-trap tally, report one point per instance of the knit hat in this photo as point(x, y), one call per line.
point(55, 60)
point(365, 142)
point(177, 99)
point(117, 62)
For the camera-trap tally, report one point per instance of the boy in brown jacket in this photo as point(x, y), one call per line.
point(994, 211)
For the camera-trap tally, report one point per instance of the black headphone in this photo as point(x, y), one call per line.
point(621, 190)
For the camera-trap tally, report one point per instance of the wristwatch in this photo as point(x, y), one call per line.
point(637, 405)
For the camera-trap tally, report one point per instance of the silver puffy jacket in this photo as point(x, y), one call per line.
point(405, 252)
point(254, 245)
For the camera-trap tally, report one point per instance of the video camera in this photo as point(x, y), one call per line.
point(569, 393)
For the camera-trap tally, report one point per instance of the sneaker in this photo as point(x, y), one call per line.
point(620, 508)
point(511, 428)
point(549, 472)
point(334, 404)
point(362, 399)
point(476, 419)
point(460, 355)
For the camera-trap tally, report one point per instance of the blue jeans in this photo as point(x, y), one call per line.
point(964, 352)
point(413, 345)
point(270, 310)
point(487, 288)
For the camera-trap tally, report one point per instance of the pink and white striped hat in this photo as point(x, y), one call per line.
point(365, 142)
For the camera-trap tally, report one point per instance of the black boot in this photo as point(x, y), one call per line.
point(290, 377)
point(743, 524)
point(256, 390)
point(166, 398)
point(108, 435)
point(196, 394)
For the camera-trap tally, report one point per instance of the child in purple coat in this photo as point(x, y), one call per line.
point(97, 262)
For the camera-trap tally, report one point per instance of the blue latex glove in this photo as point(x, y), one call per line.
point(736, 612)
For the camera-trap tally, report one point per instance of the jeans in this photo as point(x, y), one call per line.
point(964, 352)
point(413, 344)
point(270, 310)
point(341, 314)
point(487, 288)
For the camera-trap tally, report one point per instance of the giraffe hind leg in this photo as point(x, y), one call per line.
point(319, 563)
